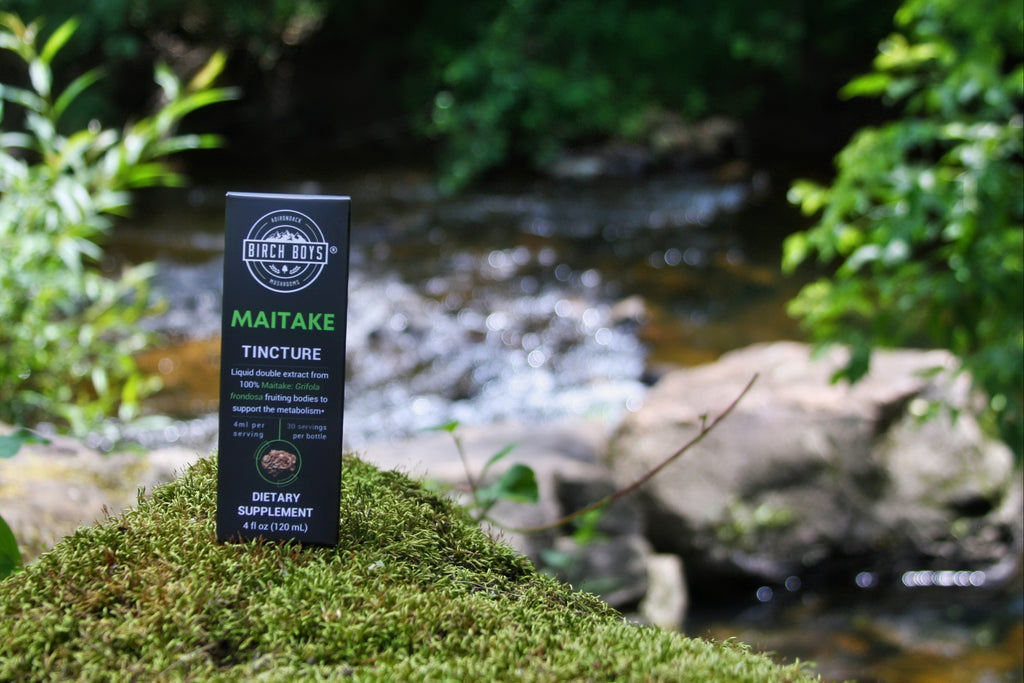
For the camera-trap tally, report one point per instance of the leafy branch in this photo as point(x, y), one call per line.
point(70, 330)
point(69, 350)
point(922, 227)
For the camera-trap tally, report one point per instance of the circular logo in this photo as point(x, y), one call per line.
point(285, 251)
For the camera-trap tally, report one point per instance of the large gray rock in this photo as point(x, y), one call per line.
point(805, 471)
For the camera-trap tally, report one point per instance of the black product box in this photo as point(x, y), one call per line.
point(282, 374)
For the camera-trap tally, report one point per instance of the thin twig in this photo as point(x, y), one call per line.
point(705, 429)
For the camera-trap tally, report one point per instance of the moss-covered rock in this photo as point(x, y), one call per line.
point(414, 591)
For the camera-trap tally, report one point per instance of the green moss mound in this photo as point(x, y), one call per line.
point(414, 591)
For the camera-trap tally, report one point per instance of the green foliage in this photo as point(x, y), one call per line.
point(69, 330)
point(10, 557)
point(414, 591)
point(517, 484)
point(541, 74)
point(128, 36)
point(120, 28)
point(493, 80)
point(925, 214)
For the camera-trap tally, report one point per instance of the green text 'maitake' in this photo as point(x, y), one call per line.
point(283, 320)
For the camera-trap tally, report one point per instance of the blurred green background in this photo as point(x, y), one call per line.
point(483, 84)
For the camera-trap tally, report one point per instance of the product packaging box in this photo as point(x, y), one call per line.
point(282, 375)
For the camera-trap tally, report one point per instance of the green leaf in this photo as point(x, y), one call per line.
point(449, 427)
point(58, 39)
point(857, 366)
point(869, 85)
point(73, 90)
point(16, 38)
point(795, 250)
point(208, 74)
point(100, 381)
point(810, 196)
point(179, 108)
point(22, 140)
point(864, 254)
point(499, 455)
point(167, 81)
point(10, 557)
point(182, 143)
point(10, 444)
point(42, 79)
point(517, 484)
point(25, 98)
point(151, 174)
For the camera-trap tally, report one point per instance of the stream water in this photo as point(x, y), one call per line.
point(535, 300)
point(530, 301)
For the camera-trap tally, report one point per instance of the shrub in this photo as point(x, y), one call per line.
point(539, 76)
point(925, 215)
point(69, 331)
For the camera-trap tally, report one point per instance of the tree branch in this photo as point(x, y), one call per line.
point(705, 429)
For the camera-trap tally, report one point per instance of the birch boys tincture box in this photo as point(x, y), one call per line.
point(282, 374)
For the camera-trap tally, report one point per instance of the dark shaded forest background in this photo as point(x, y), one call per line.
point(481, 85)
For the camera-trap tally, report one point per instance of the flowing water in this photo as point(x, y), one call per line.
point(527, 301)
point(534, 300)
